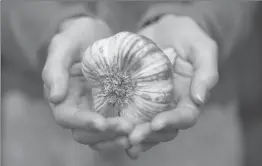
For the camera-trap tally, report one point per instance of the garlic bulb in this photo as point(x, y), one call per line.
point(129, 76)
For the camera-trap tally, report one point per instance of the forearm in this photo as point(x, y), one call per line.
point(227, 23)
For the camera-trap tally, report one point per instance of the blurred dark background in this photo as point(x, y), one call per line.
point(229, 133)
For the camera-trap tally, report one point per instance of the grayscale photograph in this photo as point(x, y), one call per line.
point(131, 83)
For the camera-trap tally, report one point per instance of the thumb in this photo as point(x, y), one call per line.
point(61, 56)
point(56, 84)
point(201, 85)
point(206, 71)
point(64, 52)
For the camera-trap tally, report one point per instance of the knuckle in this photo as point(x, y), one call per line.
point(45, 74)
point(209, 46)
point(212, 47)
point(192, 116)
point(59, 119)
point(212, 78)
point(215, 77)
point(59, 40)
point(188, 20)
point(209, 78)
point(54, 42)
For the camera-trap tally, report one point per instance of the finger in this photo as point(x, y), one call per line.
point(162, 136)
point(87, 137)
point(171, 53)
point(70, 117)
point(206, 71)
point(118, 143)
point(55, 73)
point(134, 152)
point(183, 67)
point(92, 137)
point(120, 125)
point(139, 133)
point(183, 117)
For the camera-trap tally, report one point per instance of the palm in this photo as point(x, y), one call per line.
point(182, 69)
point(80, 96)
point(182, 72)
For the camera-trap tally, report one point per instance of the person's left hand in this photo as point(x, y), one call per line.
point(194, 59)
point(166, 125)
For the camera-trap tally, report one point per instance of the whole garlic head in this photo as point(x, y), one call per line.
point(129, 76)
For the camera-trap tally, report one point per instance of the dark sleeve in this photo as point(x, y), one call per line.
point(227, 23)
point(30, 25)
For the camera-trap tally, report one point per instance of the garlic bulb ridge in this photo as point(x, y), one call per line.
point(130, 76)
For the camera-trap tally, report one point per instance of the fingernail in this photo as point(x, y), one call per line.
point(200, 99)
point(201, 95)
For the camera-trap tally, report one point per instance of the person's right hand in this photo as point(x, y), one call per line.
point(67, 91)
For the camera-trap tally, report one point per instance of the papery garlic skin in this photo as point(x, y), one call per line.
point(130, 77)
